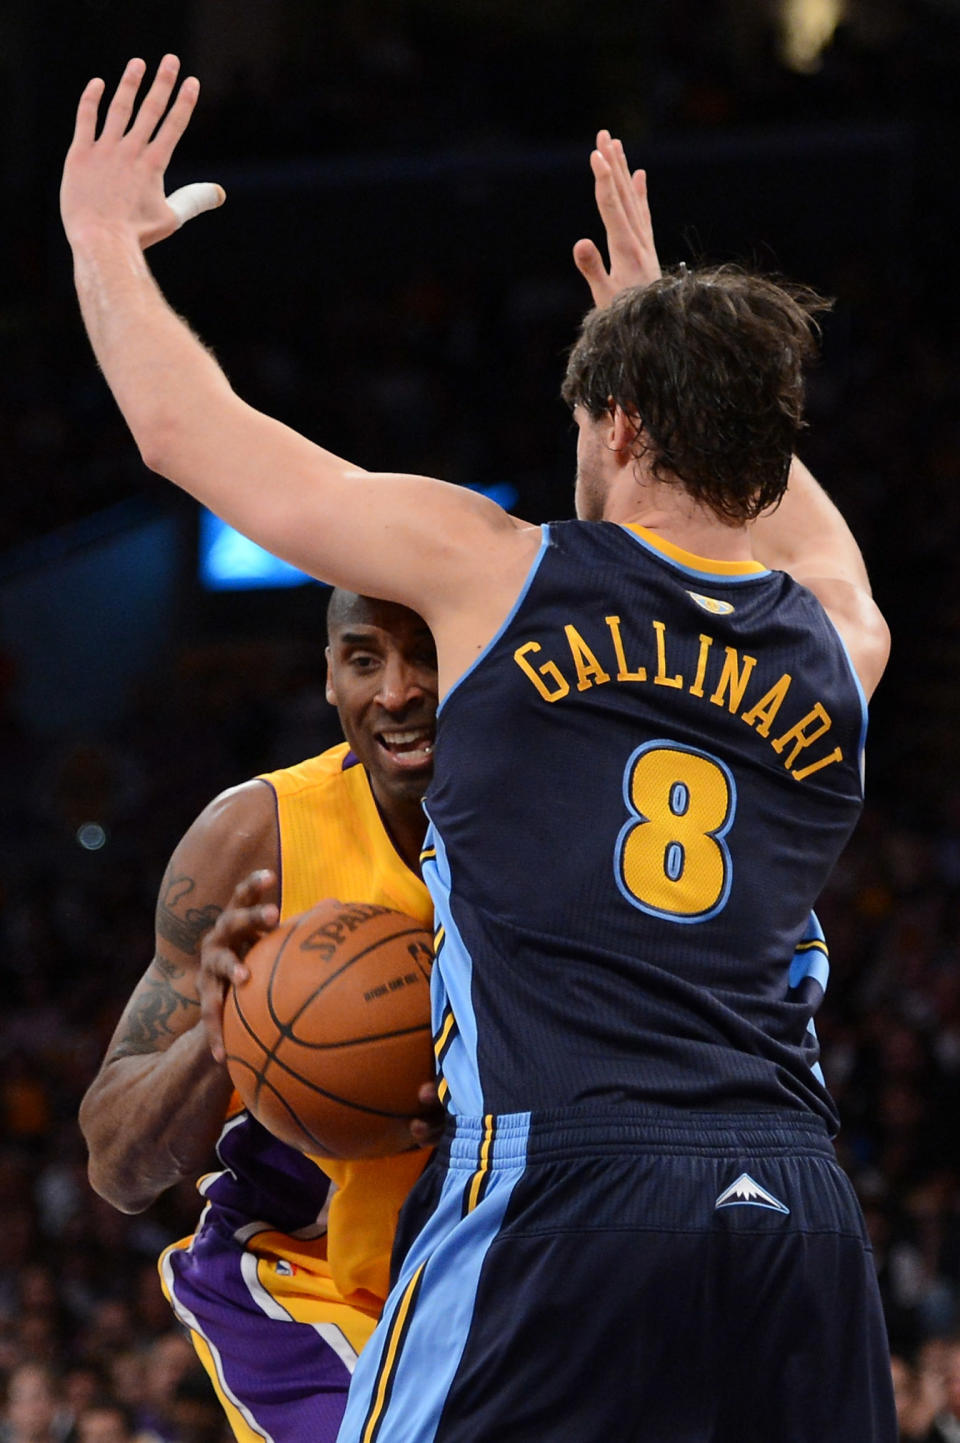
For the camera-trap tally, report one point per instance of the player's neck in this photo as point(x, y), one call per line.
point(406, 825)
point(675, 517)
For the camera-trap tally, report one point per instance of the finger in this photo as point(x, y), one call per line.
point(609, 201)
point(622, 177)
point(177, 119)
point(588, 260)
point(239, 927)
point(193, 200)
point(211, 1012)
point(254, 884)
point(642, 201)
point(88, 108)
point(589, 263)
point(156, 99)
point(223, 966)
point(121, 106)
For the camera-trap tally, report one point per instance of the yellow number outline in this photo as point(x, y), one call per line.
point(704, 884)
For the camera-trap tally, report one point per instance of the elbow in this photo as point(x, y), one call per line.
point(156, 441)
point(111, 1171)
point(111, 1184)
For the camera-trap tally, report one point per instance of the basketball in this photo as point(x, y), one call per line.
point(328, 1041)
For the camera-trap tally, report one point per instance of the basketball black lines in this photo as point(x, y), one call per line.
point(329, 1039)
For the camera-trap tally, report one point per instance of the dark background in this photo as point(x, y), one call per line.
point(391, 275)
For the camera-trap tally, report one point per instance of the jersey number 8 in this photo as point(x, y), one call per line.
point(671, 858)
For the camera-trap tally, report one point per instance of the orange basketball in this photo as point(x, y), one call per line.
point(328, 1041)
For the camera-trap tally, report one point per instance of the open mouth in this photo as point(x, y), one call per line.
point(408, 746)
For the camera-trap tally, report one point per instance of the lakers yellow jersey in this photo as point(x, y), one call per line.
point(331, 1243)
point(334, 844)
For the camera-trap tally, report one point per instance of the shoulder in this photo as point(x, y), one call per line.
point(860, 624)
point(325, 770)
point(236, 833)
point(248, 808)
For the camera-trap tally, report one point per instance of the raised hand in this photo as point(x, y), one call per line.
point(225, 946)
point(114, 181)
point(622, 202)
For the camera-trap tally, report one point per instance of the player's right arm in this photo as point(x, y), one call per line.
point(806, 536)
point(154, 1111)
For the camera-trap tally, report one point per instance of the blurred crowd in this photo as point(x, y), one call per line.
point(458, 382)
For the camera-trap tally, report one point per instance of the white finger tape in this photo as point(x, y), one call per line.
point(191, 200)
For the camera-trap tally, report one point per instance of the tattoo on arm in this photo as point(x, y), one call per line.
point(151, 1009)
point(183, 929)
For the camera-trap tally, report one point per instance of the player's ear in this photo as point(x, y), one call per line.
point(331, 691)
point(624, 428)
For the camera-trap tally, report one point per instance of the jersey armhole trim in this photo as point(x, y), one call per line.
point(864, 705)
point(534, 568)
point(276, 813)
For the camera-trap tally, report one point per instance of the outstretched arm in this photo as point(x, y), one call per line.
point(437, 548)
point(805, 535)
point(152, 1114)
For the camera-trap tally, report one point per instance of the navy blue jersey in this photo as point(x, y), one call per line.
point(640, 789)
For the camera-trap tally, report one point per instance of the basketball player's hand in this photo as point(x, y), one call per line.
point(427, 1128)
point(224, 947)
point(622, 203)
point(114, 181)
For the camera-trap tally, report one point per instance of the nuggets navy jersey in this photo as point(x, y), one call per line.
point(640, 789)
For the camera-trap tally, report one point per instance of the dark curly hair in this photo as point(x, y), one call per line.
point(710, 363)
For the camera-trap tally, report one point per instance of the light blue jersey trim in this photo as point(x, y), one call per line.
point(812, 956)
point(864, 705)
point(723, 577)
point(534, 568)
point(451, 1250)
point(451, 987)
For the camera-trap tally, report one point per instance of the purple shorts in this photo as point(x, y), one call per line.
point(277, 1340)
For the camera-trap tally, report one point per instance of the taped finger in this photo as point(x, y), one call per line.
point(192, 200)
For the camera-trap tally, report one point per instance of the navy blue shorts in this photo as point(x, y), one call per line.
point(613, 1278)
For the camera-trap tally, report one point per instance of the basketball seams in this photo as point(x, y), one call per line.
point(336, 1096)
point(312, 1087)
point(345, 966)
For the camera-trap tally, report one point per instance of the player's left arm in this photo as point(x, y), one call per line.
point(807, 536)
point(437, 548)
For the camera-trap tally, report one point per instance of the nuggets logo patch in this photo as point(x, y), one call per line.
point(711, 604)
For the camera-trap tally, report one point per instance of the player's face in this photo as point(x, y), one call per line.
point(590, 491)
point(382, 678)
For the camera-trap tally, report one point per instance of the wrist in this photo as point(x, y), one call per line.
point(94, 236)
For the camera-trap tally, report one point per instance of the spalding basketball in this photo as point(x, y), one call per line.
point(328, 1041)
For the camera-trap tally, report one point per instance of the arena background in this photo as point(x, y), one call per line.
point(392, 275)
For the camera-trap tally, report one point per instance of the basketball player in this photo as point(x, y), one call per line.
point(649, 757)
point(285, 1277)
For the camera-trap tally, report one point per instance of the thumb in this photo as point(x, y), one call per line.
point(589, 262)
point(587, 258)
point(191, 200)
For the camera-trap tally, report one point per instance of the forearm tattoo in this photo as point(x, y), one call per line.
point(155, 1002)
point(183, 928)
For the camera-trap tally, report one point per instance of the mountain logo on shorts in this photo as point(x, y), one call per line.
point(745, 1192)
